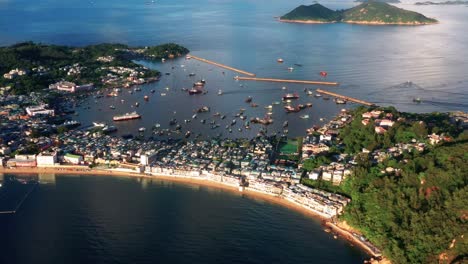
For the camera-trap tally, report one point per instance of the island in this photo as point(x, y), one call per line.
point(369, 13)
point(29, 67)
point(457, 2)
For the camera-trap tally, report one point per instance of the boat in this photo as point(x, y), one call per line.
point(109, 129)
point(203, 121)
point(220, 92)
point(285, 124)
point(153, 91)
point(290, 96)
point(172, 122)
point(203, 109)
point(309, 104)
point(137, 104)
point(233, 122)
point(157, 125)
point(284, 88)
point(248, 100)
point(253, 105)
point(98, 124)
point(198, 84)
point(137, 89)
point(317, 95)
point(298, 65)
point(290, 69)
point(163, 94)
point(417, 100)
point(268, 107)
point(304, 116)
point(112, 107)
point(126, 116)
point(223, 117)
point(142, 129)
point(291, 109)
point(309, 92)
point(280, 60)
point(163, 60)
point(194, 116)
point(146, 98)
point(340, 101)
point(187, 134)
point(275, 103)
point(194, 91)
point(191, 74)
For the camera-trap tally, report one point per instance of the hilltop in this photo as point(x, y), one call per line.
point(371, 12)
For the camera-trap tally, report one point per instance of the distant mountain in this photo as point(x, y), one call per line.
point(315, 12)
point(383, 1)
point(371, 12)
point(458, 2)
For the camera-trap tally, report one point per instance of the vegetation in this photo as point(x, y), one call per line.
point(377, 12)
point(52, 58)
point(315, 12)
point(416, 212)
point(384, 13)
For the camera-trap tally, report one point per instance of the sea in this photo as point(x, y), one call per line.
point(120, 220)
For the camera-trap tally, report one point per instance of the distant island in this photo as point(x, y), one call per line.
point(458, 2)
point(370, 13)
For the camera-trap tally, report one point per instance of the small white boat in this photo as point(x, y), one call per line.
point(284, 88)
point(220, 92)
point(142, 129)
point(163, 94)
point(290, 69)
point(304, 116)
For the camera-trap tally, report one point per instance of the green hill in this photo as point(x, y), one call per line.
point(371, 12)
point(315, 12)
point(379, 12)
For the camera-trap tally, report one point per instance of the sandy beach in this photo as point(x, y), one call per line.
point(251, 194)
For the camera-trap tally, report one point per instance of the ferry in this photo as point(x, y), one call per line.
point(290, 96)
point(127, 116)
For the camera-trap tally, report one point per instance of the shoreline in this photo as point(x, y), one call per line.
point(191, 181)
point(370, 23)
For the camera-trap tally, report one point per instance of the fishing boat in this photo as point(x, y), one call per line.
point(194, 91)
point(340, 101)
point(290, 96)
point(291, 109)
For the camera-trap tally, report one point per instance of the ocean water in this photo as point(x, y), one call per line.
point(92, 219)
point(386, 65)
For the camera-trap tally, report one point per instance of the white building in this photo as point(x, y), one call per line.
point(70, 86)
point(73, 159)
point(39, 110)
point(46, 159)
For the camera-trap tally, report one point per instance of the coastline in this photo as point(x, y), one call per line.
point(345, 234)
point(370, 23)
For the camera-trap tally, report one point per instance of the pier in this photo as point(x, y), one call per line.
point(221, 65)
point(347, 98)
point(284, 80)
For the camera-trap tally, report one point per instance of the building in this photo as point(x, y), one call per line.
point(46, 159)
point(39, 110)
point(21, 163)
point(72, 158)
point(70, 86)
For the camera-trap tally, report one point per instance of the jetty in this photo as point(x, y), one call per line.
point(284, 80)
point(347, 98)
point(221, 65)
